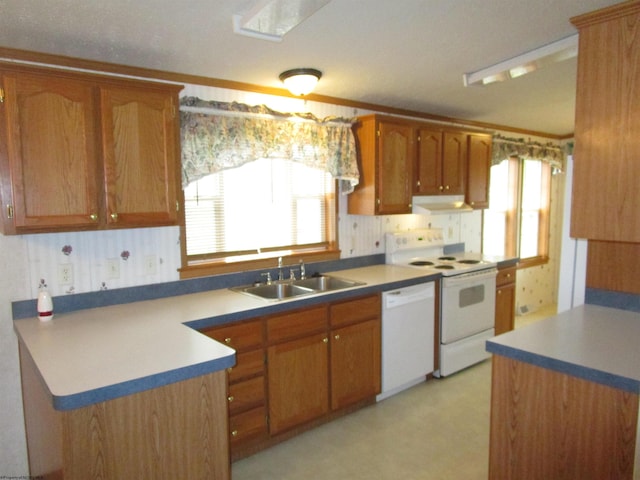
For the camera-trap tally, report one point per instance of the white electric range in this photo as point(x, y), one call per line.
point(467, 294)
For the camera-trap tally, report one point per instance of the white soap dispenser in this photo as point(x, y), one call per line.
point(45, 303)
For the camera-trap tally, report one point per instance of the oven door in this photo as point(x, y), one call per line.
point(468, 304)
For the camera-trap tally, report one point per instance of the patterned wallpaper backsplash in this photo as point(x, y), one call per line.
point(78, 262)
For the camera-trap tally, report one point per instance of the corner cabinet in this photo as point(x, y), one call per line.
point(387, 151)
point(85, 152)
point(605, 192)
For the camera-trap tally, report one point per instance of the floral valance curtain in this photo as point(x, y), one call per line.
point(509, 147)
point(218, 135)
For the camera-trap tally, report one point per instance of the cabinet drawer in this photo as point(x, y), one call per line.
point(242, 336)
point(247, 394)
point(296, 324)
point(248, 425)
point(248, 364)
point(505, 276)
point(352, 311)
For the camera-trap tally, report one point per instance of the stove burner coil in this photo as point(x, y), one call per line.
point(447, 258)
point(421, 263)
point(445, 267)
point(469, 261)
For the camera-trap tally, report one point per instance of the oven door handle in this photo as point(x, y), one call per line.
point(476, 276)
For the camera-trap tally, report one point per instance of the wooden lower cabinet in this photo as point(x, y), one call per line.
point(298, 382)
point(245, 382)
point(505, 300)
point(300, 368)
point(169, 432)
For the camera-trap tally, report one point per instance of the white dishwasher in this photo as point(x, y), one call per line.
point(407, 337)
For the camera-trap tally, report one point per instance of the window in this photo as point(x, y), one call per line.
point(517, 220)
point(263, 209)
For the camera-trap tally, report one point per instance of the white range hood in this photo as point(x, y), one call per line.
point(440, 205)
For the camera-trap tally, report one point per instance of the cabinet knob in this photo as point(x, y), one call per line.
point(114, 216)
point(446, 187)
point(234, 433)
point(508, 275)
point(93, 217)
point(337, 337)
point(441, 188)
point(499, 292)
point(325, 340)
point(230, 398)
point(227, 340)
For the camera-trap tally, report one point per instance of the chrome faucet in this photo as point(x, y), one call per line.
point(303, 272)
point(280, 274)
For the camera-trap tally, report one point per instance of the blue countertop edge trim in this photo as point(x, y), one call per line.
point(110, 392)
point(585, 373)
point(610, 298)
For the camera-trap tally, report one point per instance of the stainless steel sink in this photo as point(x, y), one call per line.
point(295, 288)
point(274, 291)
point(326, 283)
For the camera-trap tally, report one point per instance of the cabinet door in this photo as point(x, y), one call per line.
point(505, 308)
point(49, 156)
point(454, 158)
point(478, 169)
point(298, 382)
point(139, 129)
point(395, 168)
point(605, 193)
point(355, 363)
point(429, 163)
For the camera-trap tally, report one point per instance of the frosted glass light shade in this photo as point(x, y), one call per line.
point(300, 81)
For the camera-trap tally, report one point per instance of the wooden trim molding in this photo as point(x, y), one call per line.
point(16, 55)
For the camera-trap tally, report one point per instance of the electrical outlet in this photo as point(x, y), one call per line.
point(113, 268)
point(65, 274)
point(150, 265)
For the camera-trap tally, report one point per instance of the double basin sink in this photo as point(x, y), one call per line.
point(294, 288)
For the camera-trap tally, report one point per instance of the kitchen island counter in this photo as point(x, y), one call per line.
point(564, 401)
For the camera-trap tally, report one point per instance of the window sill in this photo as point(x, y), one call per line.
point(532, 262)
point(217, 267)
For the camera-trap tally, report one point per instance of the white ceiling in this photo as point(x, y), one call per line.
point(407, 54)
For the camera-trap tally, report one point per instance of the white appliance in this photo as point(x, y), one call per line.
point(467, 296)
point(408, 316)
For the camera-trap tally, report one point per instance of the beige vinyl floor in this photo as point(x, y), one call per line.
point(436, 430)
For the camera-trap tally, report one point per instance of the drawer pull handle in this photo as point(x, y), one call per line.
point(230, 398)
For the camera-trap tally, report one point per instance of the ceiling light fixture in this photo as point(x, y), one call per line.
point(300, 81)
point(527, 62)
point(272, 19)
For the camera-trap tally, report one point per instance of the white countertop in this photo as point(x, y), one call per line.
point(596, 343)
point(98, 354)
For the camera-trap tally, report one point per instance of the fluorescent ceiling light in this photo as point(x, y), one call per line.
point(525, 63)
point(272, 19)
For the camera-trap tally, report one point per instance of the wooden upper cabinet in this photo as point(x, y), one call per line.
point(387, 151)
point(478, 170)
point(48, 155)
point(82, 152)
point(140, 157)
point(605, 194)
point(441, 162)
